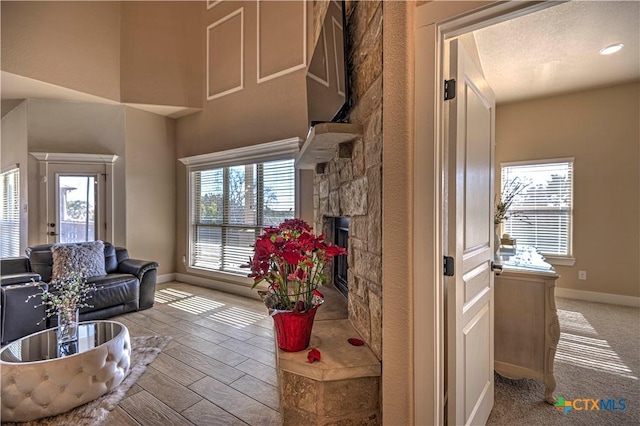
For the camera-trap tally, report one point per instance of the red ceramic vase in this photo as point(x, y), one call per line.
point(293, 329)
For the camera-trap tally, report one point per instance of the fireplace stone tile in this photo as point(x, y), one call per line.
point(362, 395)
point(298, 392)
point(353, 197)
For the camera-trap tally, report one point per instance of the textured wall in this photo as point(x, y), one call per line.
point(399, 395)
point(599, 128)
point(14, 150)
point(161, 53)
point(134, 52)
point(69, 44)
point(256, 74)
point(151, 187)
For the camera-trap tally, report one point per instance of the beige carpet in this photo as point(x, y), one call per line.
point(143, 351)
point(598, 357)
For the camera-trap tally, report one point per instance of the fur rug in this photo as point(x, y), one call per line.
point(144, 350)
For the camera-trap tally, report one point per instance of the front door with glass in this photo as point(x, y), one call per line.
point(75, 203)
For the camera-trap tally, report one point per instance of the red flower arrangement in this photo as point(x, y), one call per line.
point(291, 259)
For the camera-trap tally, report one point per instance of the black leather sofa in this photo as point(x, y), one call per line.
point(17, 316)
point(129, 285)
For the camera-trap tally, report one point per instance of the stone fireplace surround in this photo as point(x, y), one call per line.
point(345, 387)
point(339, 190)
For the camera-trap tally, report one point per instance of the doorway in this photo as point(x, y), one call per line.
point(76, 197)
point(436, 25)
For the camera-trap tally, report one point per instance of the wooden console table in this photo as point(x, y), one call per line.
point(527, 330)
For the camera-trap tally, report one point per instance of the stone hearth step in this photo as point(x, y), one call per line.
point(343, 386)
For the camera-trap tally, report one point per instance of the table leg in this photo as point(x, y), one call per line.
point(549, 387)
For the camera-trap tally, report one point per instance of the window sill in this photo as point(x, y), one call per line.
point(560, 261)
point(221, 276)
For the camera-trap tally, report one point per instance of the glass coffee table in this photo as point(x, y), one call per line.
point(41, 378)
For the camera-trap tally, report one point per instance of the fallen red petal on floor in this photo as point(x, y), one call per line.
point(356, 342)
point(314, 355)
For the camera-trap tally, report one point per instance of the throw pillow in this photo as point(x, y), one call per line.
point(85, 258)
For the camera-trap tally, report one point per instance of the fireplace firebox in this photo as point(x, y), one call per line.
point(340, 263)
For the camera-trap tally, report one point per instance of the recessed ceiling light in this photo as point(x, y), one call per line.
point(611, 49)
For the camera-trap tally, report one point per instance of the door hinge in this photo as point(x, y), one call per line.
point(449, 266)
point(449, 89)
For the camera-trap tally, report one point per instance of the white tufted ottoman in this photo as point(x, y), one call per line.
point(38, 381)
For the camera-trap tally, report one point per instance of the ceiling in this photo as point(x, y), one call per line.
point(555, 50)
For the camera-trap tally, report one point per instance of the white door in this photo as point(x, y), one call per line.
point(469, 240)
point(75, 206)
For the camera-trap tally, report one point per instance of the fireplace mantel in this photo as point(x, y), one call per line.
point(322, 142)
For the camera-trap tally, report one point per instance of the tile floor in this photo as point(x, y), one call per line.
point(217, 370)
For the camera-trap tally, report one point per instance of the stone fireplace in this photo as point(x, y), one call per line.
point(347, 209)
point(347, 189)
point(350, 185)
point(347, 183)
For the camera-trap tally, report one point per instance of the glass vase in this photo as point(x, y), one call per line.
point(67, 326)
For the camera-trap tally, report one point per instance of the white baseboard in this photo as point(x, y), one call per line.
point(593, 296)
point(239, 289)
point(165, 278)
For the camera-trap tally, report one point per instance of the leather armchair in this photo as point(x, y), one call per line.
point(19, 317)
point(144, 270)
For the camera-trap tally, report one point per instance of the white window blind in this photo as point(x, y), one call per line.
point(542, 214)
point(230, 206)
point(10, 215)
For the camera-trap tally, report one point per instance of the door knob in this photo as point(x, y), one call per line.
point(52, 233)
point(496, 268)
point(52, 225)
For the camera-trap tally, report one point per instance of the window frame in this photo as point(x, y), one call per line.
point(554, 259)
point(285, 149)
point(15, 168)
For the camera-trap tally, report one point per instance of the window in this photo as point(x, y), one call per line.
point(542, 214)
point(229, 207)
point(10, 215)
point(77, 207)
